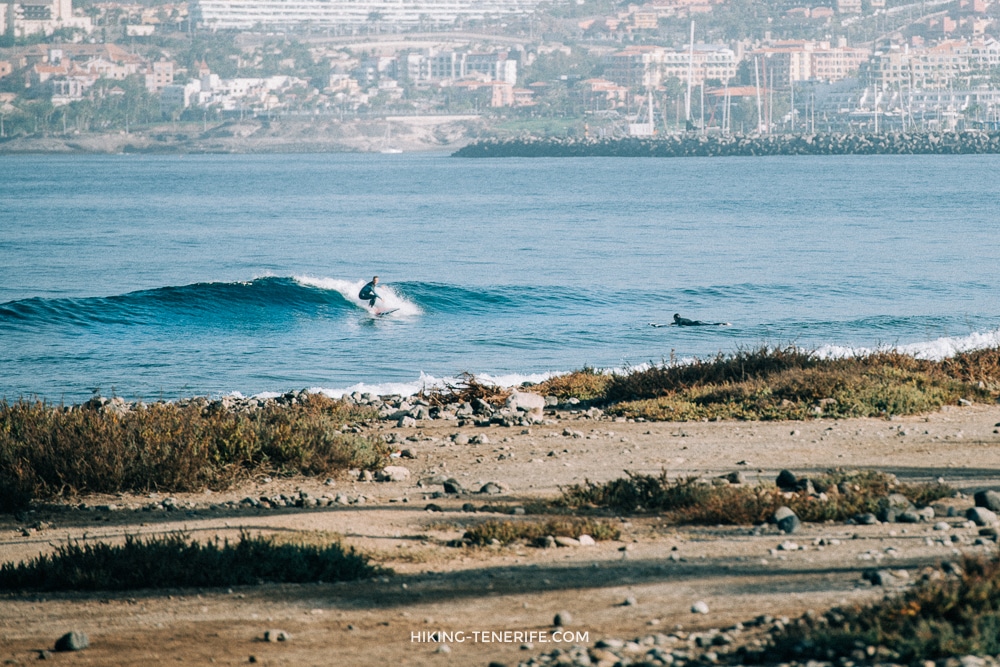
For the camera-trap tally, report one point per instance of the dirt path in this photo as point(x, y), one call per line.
point(517, 589)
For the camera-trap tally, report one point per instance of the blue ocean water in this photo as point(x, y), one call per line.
point(167, 276)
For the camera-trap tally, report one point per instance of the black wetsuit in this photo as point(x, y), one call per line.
point(685, 322)
point(368, 292)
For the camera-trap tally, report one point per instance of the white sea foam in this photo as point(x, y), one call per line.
point(425, 382)
point(934, 350)
point(349, 290)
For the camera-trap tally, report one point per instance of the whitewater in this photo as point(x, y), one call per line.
point(163, 277)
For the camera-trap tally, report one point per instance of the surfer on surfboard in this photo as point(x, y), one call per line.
point(685, 322)
point(368, 292)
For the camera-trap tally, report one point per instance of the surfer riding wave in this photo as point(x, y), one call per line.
point(369, 294)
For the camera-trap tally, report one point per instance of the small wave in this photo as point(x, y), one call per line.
point(934, 350)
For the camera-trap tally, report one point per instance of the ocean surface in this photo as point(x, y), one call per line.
point(153, 277)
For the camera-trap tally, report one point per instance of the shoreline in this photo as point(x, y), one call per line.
point(260, 136)
point(456, 135)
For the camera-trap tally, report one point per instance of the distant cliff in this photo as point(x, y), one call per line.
point(899, 143)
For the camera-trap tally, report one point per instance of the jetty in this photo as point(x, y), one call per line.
point(900, 143)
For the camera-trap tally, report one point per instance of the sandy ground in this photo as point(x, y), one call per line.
point(517, 588)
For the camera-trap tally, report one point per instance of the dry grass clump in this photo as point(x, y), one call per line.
point(506, 532)
point(176, 561)
point(585, 384)
point(979, 367)
point(839, 495)
point(48, 451)
point(787, 383)
point(940, 617)
point(466, 390)
point(721, 369)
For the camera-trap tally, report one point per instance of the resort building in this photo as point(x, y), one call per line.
point(707, 61)
point(271, 14)
point(432, 66)
point(640, 67)
point(952, 63)
point(783, 63)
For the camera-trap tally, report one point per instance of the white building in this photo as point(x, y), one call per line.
point(247, 14)
point(29, 17)
point(435, 66)
point(949, 64)
point(648, 66)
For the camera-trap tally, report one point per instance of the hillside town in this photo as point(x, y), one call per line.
point(583, 67)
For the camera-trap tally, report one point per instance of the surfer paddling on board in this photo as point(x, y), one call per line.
point(685, 322)
point(368, 293)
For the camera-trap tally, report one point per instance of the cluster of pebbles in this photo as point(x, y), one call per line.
point(520, 409)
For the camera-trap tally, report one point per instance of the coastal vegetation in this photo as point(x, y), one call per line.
point(940, 617)
point(177, 561)
point(768, 383)
point(835, 496)
point(49, 451)
point(107, 446)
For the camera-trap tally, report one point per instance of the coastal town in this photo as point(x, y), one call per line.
point(588, 68)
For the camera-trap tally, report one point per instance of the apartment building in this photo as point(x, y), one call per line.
point(932, 68)
point(648, 66)
point(30, 17)
point(706, 61)
point(783, 63)
point(435, 66)
point(159, 75)
point(636, 67)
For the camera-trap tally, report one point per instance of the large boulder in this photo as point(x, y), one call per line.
point(787, 481)
point(981, 516)
point(393, 474)
point(988, 499)
point(73, 641)
point(892, 506)
point(526, 402)
point(786, 520)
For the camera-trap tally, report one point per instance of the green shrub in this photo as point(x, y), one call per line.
point(176, 561)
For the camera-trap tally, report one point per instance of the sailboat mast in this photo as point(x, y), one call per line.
point(756, 76)
point(690, 77)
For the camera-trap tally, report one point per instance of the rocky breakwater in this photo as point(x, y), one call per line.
point(898, 143)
